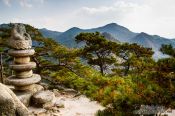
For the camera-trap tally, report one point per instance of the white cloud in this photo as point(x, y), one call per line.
point(7, 2)
point(24, 3)
point(117, 7)
point(42, 22)
point(40, 1)
point(156, 18)
point(87, 17)
point(151, 16)
point(102, 9)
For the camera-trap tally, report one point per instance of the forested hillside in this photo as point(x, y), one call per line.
point(126, 75)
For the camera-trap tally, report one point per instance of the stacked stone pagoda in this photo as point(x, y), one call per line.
point(21, 50)
point(24, 77)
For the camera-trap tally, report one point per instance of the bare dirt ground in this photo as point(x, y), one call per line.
point(69, 105)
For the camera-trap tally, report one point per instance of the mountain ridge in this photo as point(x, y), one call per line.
point(117, 32)
point(49, 33)
point(112, 32)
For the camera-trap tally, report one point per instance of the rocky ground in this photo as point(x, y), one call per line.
point(68, 103)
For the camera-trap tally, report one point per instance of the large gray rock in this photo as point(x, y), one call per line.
point(10, 105)
point(19, 39)
point(7, 105)
point(24, 97)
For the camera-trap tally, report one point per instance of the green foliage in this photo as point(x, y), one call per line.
point(136, 78)
point(97, 50)
point(133, 59)
point(168, 49)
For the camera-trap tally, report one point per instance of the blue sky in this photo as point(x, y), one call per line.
point(151, 16)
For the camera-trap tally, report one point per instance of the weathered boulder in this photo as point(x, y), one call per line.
point(10, 105)
point(25, 94)
point(19, 39)
point(7, 105)
point(24, 97)
point(43, 98)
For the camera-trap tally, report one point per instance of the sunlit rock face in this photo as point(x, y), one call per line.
point(10, 105)
point(19, 39)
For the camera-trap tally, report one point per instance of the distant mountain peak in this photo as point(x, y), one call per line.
point(112, 24)
point(143, 35)
point(115, 26)
point(43, 29)
point(74, 28)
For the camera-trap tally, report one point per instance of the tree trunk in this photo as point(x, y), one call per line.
point(127, 70)
point(170, 84)
point(101, 70)
point(1, 63)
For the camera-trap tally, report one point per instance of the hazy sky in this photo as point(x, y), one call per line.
point(151, 16)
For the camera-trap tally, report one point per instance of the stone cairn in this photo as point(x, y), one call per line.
point(21, 49)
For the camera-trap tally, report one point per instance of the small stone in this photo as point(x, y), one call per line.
point(36, 88)
point(48, 105)
point(59, 104)
point(56, 92)
point(54, 109)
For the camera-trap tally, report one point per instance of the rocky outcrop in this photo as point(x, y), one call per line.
point(10, 105)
